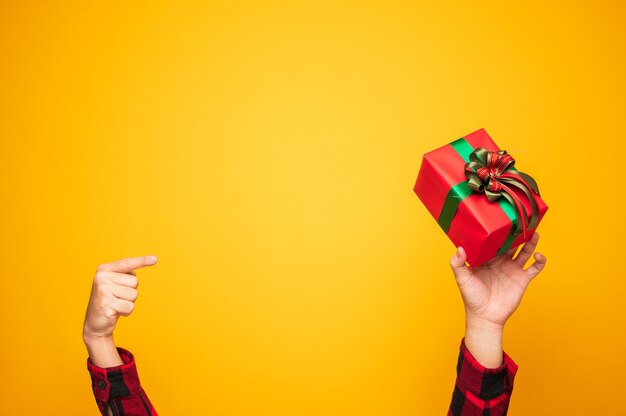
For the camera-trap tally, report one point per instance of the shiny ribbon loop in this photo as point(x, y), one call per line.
point(493, 174)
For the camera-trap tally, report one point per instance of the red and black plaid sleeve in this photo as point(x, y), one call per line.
point(481, 391)
point(118, 388)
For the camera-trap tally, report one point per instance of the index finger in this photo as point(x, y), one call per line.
point(128, 265)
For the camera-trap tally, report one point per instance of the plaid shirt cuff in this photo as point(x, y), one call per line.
point(114, 382)
point(479, 389)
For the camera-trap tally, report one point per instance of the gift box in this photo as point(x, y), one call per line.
point(479, 197)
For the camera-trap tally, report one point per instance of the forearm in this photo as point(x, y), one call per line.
point(479, 389)
point(485, 373)
point(484, 341)
point(102, 351)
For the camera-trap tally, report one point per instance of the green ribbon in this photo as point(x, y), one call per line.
point(458, 192)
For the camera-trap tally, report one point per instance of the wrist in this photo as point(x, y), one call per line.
point(490, 331)
point(483, 340)
point(102, 350)
point(96, 338)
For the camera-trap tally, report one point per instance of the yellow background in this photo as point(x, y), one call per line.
point(266, 152)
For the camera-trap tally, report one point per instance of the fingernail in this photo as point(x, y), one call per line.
point(152, 259)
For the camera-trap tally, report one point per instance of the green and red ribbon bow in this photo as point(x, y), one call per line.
point(494, 174)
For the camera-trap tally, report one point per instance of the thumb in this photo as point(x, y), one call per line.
point(457, 262)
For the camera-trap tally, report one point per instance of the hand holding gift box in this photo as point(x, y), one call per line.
point(478, 197)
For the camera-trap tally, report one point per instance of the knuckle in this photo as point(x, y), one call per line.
point(102, 288)
point(99, 277)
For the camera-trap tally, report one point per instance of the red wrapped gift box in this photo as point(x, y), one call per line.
point(484, 229)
